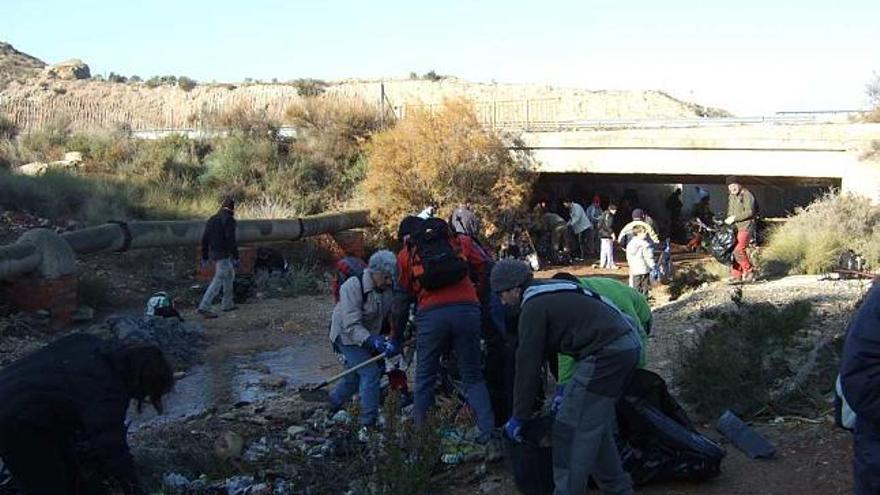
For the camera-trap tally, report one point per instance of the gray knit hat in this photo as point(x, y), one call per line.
point(508, 274)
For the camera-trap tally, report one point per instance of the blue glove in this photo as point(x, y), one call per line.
point(557, 398)
point(236, 263)
point(513, 430)
point(375, 342)
point(392, 348)
point(655, 273)
point(204, 263)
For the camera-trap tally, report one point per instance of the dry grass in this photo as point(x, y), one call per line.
point(811, 241)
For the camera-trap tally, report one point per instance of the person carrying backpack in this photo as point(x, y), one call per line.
point(355, 328)
point(434, 267)
point(560, 317)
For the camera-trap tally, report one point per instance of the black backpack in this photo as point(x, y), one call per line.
point(437, 262)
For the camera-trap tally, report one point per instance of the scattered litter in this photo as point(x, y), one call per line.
point(175, 481)
point(342, 416)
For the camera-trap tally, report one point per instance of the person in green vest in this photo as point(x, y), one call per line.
point(628, 300)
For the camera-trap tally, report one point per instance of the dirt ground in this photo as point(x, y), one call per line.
point(813, 455)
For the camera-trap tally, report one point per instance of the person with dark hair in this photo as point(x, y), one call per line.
point(465, 221)
point(741, 212)
point(673, 209)
point(606, 238)
point(579, 224)
point(561, 317)
point(63, 407)
point(219, 246)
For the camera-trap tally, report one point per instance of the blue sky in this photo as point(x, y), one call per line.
point(748, 56)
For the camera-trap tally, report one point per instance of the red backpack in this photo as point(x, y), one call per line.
point(347, 267)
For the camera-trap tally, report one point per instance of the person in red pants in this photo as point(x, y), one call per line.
point(741, 211)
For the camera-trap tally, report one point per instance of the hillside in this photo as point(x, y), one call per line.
point(17, 66)
point(90, 104)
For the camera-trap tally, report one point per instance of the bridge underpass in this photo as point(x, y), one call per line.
point(784, 165)
point(777, 196)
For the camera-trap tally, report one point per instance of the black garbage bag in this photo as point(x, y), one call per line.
point(657, 441)
point(243, 288)
point(722, 244)
point(531, 462)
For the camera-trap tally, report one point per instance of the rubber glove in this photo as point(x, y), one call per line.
point(513, 429)
point(375, 342)
point(392, 348)
point(729, 220)
point(557, 398)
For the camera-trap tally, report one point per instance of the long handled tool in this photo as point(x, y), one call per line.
point(345, 373)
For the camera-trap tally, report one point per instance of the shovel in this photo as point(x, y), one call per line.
point(310, 393)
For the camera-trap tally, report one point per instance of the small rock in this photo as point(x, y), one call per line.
point(83, 314)
point(273, 381)
point(341, 416)
point(228, 446)
point(175, 481)
point(489, 486)
point(295, 430)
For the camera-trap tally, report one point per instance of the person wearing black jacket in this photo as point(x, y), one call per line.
point(860, 381)
point(63, 407)
point(219, 246)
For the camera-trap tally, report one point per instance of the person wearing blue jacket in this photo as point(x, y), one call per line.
point(860, 380)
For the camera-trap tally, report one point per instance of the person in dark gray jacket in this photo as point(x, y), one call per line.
point(559, 317)
point(219, 245)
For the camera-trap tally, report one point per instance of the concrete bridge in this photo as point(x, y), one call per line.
point(772, 155)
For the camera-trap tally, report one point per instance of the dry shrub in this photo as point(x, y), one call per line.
point(444, 158)
point(812, 239)
point(246, 120)
point(327, 157)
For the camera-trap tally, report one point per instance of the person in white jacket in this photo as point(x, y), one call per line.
point(579, 224)
point(355, 328)
point(640, 258)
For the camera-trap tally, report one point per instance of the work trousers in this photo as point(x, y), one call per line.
point(583, 433)
point(606, 253)
point(224, 277)
point(436, 329)
point(365, 382)
point(866, 458)
point(741, 262)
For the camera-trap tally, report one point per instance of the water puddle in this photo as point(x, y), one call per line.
point(242, 379)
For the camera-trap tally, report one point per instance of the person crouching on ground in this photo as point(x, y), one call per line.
point(219, 246)
point(355, 327)
point(63, 408)
point(640, 258)
point(558, 317)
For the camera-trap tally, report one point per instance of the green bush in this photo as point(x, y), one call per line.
point(45, 144)
point(309, 87)
point(811, 240)
point(186, 83)
point(736, 363)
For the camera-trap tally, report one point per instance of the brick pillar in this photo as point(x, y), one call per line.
point(59, 296)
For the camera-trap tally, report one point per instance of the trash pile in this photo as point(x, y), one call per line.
point(281, 456)
point(183, 342)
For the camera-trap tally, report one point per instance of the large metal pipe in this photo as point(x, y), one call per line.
point(20, 258)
